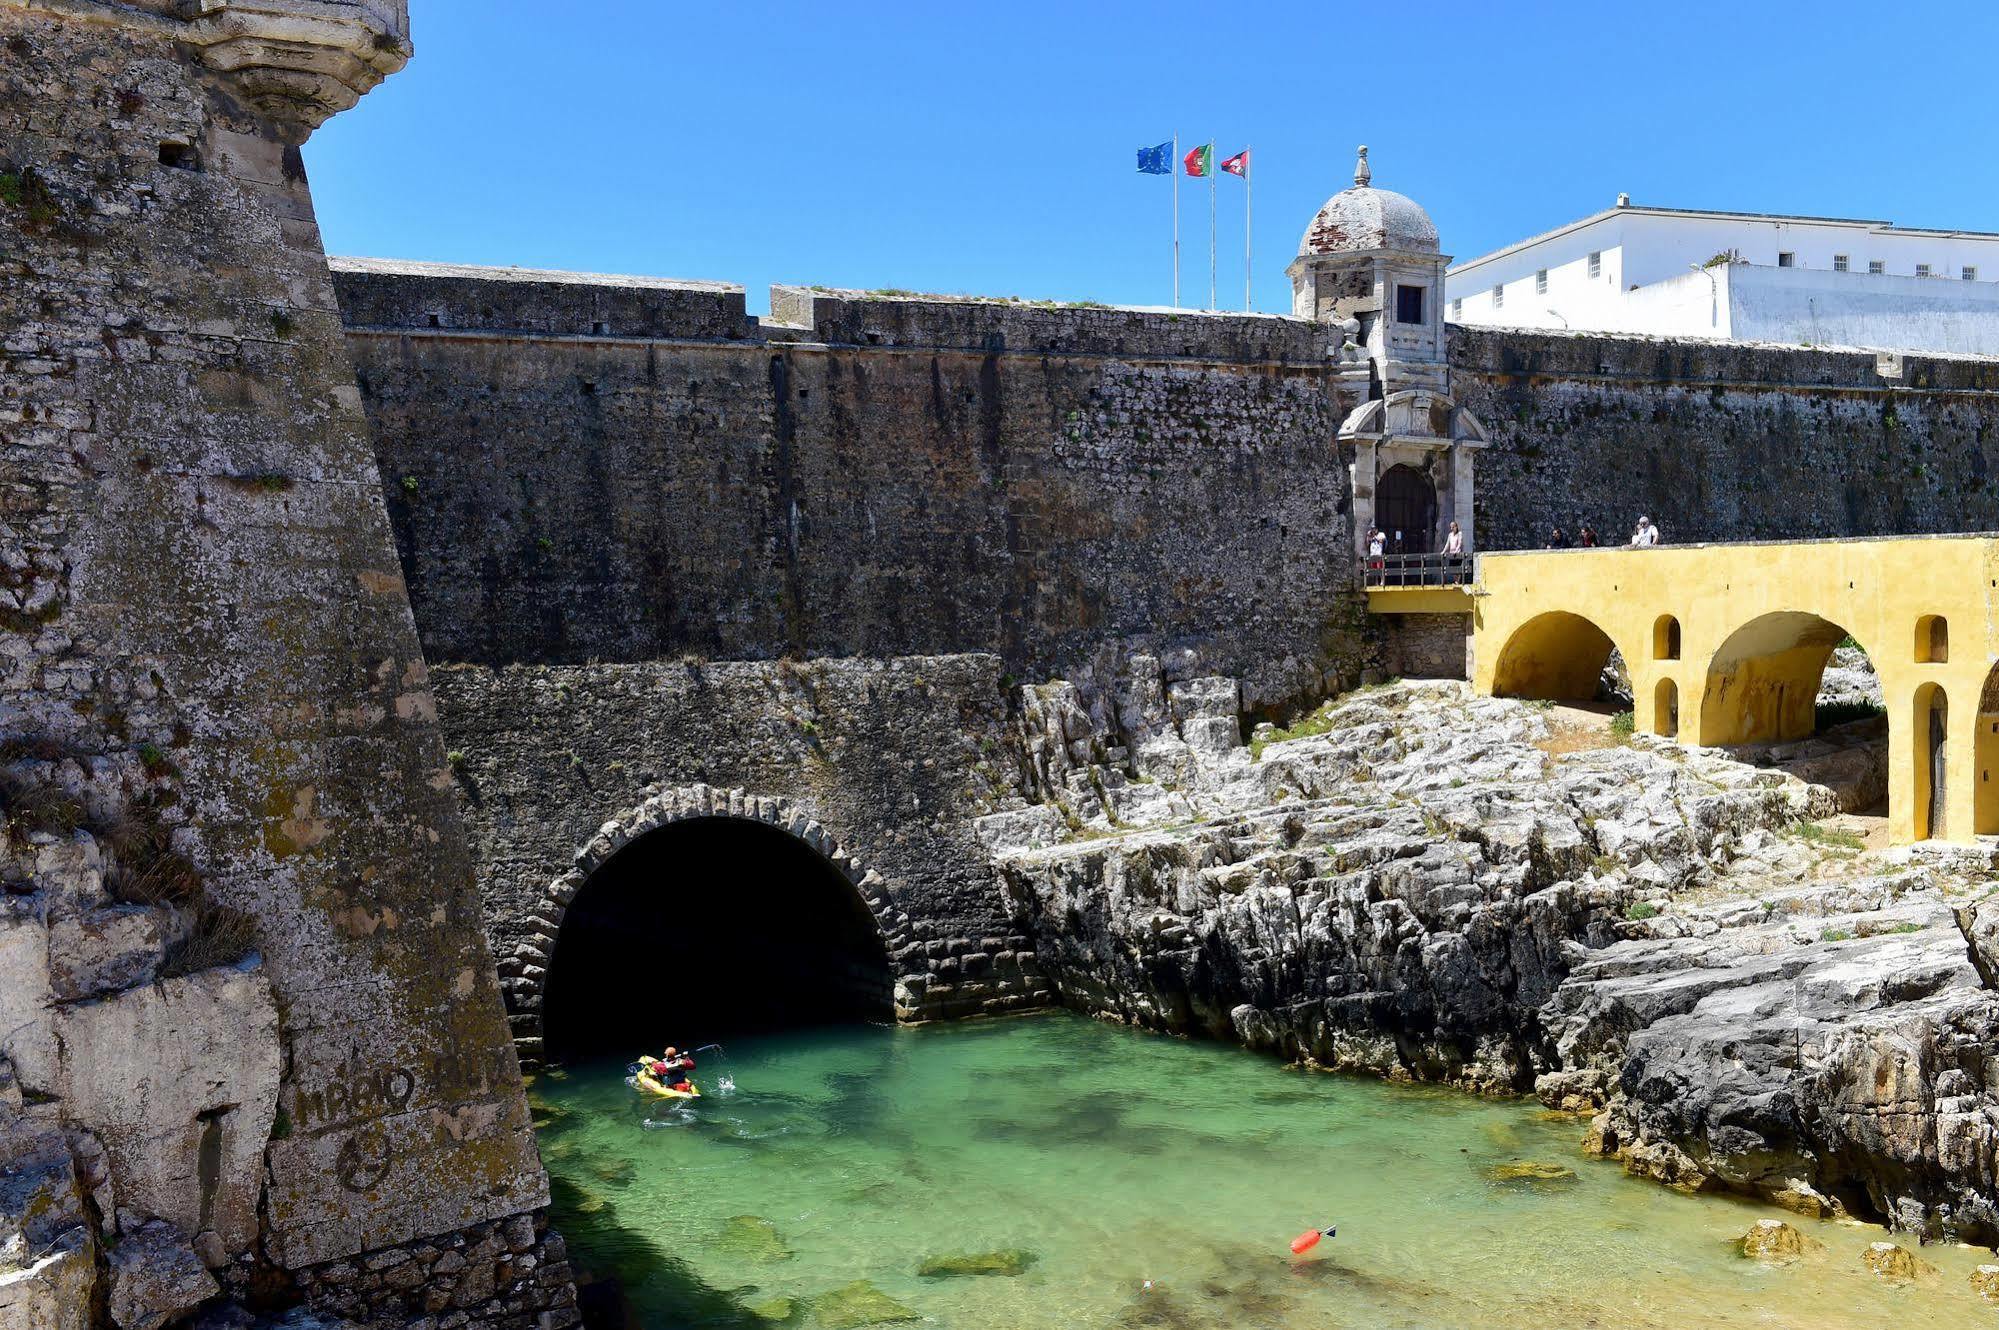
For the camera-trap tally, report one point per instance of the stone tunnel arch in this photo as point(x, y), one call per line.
point(1558, 656)
point(1763, 681)
point(698, 914)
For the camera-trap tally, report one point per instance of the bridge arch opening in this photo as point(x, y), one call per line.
point(1930, 728)
point(1666, 708)
point(705, 928)
point(1556, 656)
point(1763, 681)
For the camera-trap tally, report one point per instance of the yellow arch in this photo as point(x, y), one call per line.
point(1763, 680)
point(1557, 655)
point(1756, 624)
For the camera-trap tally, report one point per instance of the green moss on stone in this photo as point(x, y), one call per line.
point(752, 1238)
point(1006, 1261)
point(858, 1303)
point(775, 1311)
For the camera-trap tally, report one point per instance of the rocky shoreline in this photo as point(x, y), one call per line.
point(1684, 949)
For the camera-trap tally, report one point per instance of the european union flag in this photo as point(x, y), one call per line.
point(1156, 161)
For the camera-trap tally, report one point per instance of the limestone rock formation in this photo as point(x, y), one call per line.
point(1425, 885)
point(156, 1277)
point(1897, 1265)
point(1773, 1240)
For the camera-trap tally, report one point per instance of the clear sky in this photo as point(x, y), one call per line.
point(989, 148)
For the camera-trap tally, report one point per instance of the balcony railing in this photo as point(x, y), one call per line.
point(1417, 570)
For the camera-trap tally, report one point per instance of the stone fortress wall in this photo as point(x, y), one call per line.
point(249, 1026)
point(628, 512)
point(327, 598)
point(1725, 441)
point(580, 470)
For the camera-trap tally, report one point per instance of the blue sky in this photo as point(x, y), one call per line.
point(988, 149)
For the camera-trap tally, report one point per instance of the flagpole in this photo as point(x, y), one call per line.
point(1173, 169)
point(1248, 170)
point(1211, 224)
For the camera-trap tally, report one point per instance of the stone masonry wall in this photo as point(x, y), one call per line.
point(893, 758)
point(1719, 441)
point(207, 657)
point(581, 469)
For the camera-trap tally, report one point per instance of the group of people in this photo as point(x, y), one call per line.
point(1644, 535)
point(1379, 544)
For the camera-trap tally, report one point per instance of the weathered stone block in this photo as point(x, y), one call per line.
point(157, 1072)
point(155, 1277)
point(104, 950)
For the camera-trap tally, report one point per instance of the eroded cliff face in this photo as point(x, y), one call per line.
point(251, 1024)
point(1480, 892)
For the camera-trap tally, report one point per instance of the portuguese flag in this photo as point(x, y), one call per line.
point(1201, 160)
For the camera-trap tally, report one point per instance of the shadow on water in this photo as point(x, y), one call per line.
point(626, 1268)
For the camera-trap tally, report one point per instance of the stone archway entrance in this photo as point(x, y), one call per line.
point(1405, 503)
point(698, 915)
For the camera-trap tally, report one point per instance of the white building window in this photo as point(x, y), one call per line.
point(1839, 263)
point(1922, 270)
point(1595, 264)
point(1876, 266)
point(1969, 274)
point(1457, 309)
point(1541, 282)
point(1786, 259)
point(1499, 297)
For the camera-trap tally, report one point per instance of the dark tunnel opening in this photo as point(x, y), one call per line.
point(707, 929)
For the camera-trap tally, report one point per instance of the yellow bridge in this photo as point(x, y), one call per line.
point(1725, 644)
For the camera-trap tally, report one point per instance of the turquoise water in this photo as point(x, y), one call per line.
point(1087, 1160)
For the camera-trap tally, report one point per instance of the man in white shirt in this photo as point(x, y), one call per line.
point(1646, 534)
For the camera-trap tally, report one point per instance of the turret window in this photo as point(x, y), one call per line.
point(1499, 297)
point(1541, 282)
point(1408, 304)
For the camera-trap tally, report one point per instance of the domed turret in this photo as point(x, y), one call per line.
point(1365, 218)
point(1370, 268)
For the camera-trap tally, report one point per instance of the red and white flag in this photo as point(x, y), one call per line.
point(1238, 164)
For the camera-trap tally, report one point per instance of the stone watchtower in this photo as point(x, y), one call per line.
point(1369, 264)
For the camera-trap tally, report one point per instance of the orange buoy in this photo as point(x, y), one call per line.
point(1309, 1239)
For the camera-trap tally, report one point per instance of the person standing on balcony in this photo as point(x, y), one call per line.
point(1646, 535)
point(1454, 541)
point(1587, 536)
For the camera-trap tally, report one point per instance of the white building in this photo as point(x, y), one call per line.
point(1679, 272)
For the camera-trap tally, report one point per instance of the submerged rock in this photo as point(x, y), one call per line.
point(752, 1238)
point(775, 1311)
point(858, 1303)
point(1534, 1174)
point(1773, 1240)
point(1008, 1261)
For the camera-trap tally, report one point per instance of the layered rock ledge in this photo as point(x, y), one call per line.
point(1687, 949)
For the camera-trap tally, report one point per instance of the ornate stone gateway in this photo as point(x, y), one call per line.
point(1369, 264)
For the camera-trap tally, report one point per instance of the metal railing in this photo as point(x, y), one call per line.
point(1416, 570)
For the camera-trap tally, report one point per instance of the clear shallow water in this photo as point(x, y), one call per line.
point(1108, 1158)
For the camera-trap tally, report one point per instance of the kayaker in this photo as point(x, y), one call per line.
point(672, 1070)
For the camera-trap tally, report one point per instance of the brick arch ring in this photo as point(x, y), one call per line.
point(523, 979)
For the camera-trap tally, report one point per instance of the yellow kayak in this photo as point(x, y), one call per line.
point(644, 1083)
